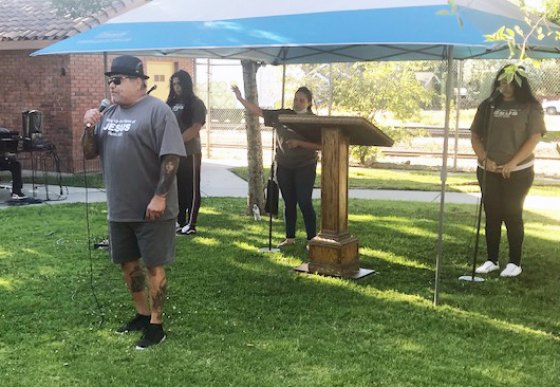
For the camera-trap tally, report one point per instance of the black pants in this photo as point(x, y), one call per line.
point(188, 186)
point(503, 202)
point(296, 186)
point(14, 166)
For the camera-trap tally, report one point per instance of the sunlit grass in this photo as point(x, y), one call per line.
point(238, 316)
point(420, 180)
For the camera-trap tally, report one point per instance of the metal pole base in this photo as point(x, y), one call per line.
point(470, 278)
point(269, 250)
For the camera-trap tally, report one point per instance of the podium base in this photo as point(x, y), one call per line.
point(470, 278)
point(361, 273)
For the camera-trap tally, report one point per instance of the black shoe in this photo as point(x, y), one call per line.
point(138, 323)
point(152, 336)
point(103, 245)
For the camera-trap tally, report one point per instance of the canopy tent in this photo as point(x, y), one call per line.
point(311, 31)
point(307, 31)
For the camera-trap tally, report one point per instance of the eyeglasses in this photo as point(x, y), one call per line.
point(117, 80)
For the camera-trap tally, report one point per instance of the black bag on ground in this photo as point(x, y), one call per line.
point(272, 193)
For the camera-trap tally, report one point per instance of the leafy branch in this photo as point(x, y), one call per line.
point(538, 28)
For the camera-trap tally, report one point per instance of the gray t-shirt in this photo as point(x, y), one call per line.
point(289, 157)
point(511, 125)
point(131, 143)
point(197, 114)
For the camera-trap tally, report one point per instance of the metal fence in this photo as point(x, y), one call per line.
point(406, 99)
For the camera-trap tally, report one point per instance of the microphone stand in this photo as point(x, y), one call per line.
point(269, 198)
point(488, 122)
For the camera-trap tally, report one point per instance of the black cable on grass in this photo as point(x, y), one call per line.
point(89, 244)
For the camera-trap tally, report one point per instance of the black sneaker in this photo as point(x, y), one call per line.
point(153, 335)
point(189, 229)
point(138, 323)
point(103, 245)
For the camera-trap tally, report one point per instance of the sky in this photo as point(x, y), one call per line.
point(534, 4)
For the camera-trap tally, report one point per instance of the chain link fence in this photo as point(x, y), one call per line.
point(404, 99)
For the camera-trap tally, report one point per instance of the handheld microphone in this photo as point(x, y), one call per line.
point(152, 88)
point(105, 103)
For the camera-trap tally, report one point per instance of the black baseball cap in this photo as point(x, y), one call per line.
point(127, 65)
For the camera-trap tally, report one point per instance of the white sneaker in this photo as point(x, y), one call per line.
point(20, 196)
point(511, 270)
point(487, 267)
point(188, 230)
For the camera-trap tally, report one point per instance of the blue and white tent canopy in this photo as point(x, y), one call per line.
point(308, 31)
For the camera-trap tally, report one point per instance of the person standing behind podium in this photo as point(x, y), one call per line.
point(506, 129)
point(9, 163)
point(296, 160)
point(191, 116)
point(139, 143)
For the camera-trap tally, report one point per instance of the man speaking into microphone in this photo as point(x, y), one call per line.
point(140, 145)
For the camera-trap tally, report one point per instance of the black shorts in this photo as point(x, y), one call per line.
point(154, 242)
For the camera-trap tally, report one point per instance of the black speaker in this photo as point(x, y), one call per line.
point(31, 123)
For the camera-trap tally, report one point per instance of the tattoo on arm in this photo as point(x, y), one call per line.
point(89, 145)
point(169, 165)
point(137, 280)
point(159, 298)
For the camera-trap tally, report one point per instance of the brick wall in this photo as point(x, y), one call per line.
point(63, 87)
point(35, 83)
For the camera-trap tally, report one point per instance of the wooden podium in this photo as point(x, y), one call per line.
point(334, 251)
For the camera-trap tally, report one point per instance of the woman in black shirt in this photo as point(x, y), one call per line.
point(296, 160)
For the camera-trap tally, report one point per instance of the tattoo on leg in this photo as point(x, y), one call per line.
point(137, 280)
point(159, 298)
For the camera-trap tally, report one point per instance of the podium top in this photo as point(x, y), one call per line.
point(359, 130)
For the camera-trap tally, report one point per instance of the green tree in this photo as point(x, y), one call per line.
point(77, 8)
point(375, 89)
point(254, 141)
point(552, 10)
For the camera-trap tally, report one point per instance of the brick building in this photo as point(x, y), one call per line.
point(62, 87)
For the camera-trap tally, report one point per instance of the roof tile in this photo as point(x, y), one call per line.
point(38, 20)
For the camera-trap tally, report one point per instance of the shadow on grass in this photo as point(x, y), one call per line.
point(237, 316)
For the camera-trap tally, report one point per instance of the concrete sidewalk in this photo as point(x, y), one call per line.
point(218, 181)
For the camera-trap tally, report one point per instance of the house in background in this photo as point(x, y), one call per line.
point(62, 87)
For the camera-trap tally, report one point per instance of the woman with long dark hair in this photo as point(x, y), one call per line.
point(296, 160)
point(191, 116)
point(505, 131)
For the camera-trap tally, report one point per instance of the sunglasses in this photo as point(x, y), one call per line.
point(117, 80)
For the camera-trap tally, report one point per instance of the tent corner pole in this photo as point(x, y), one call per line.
point(448, 96)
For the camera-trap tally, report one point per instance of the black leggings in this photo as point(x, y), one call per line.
point(296, 185)
point(188, 187)
point(503, 202)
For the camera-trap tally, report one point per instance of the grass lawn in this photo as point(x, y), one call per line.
point(240, 317)
point(94, 180)
point(367, 178)
point(420, 180)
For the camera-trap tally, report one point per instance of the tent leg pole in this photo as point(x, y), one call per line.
point(448, 96)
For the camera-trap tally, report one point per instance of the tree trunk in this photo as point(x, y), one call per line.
point(254, 141)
